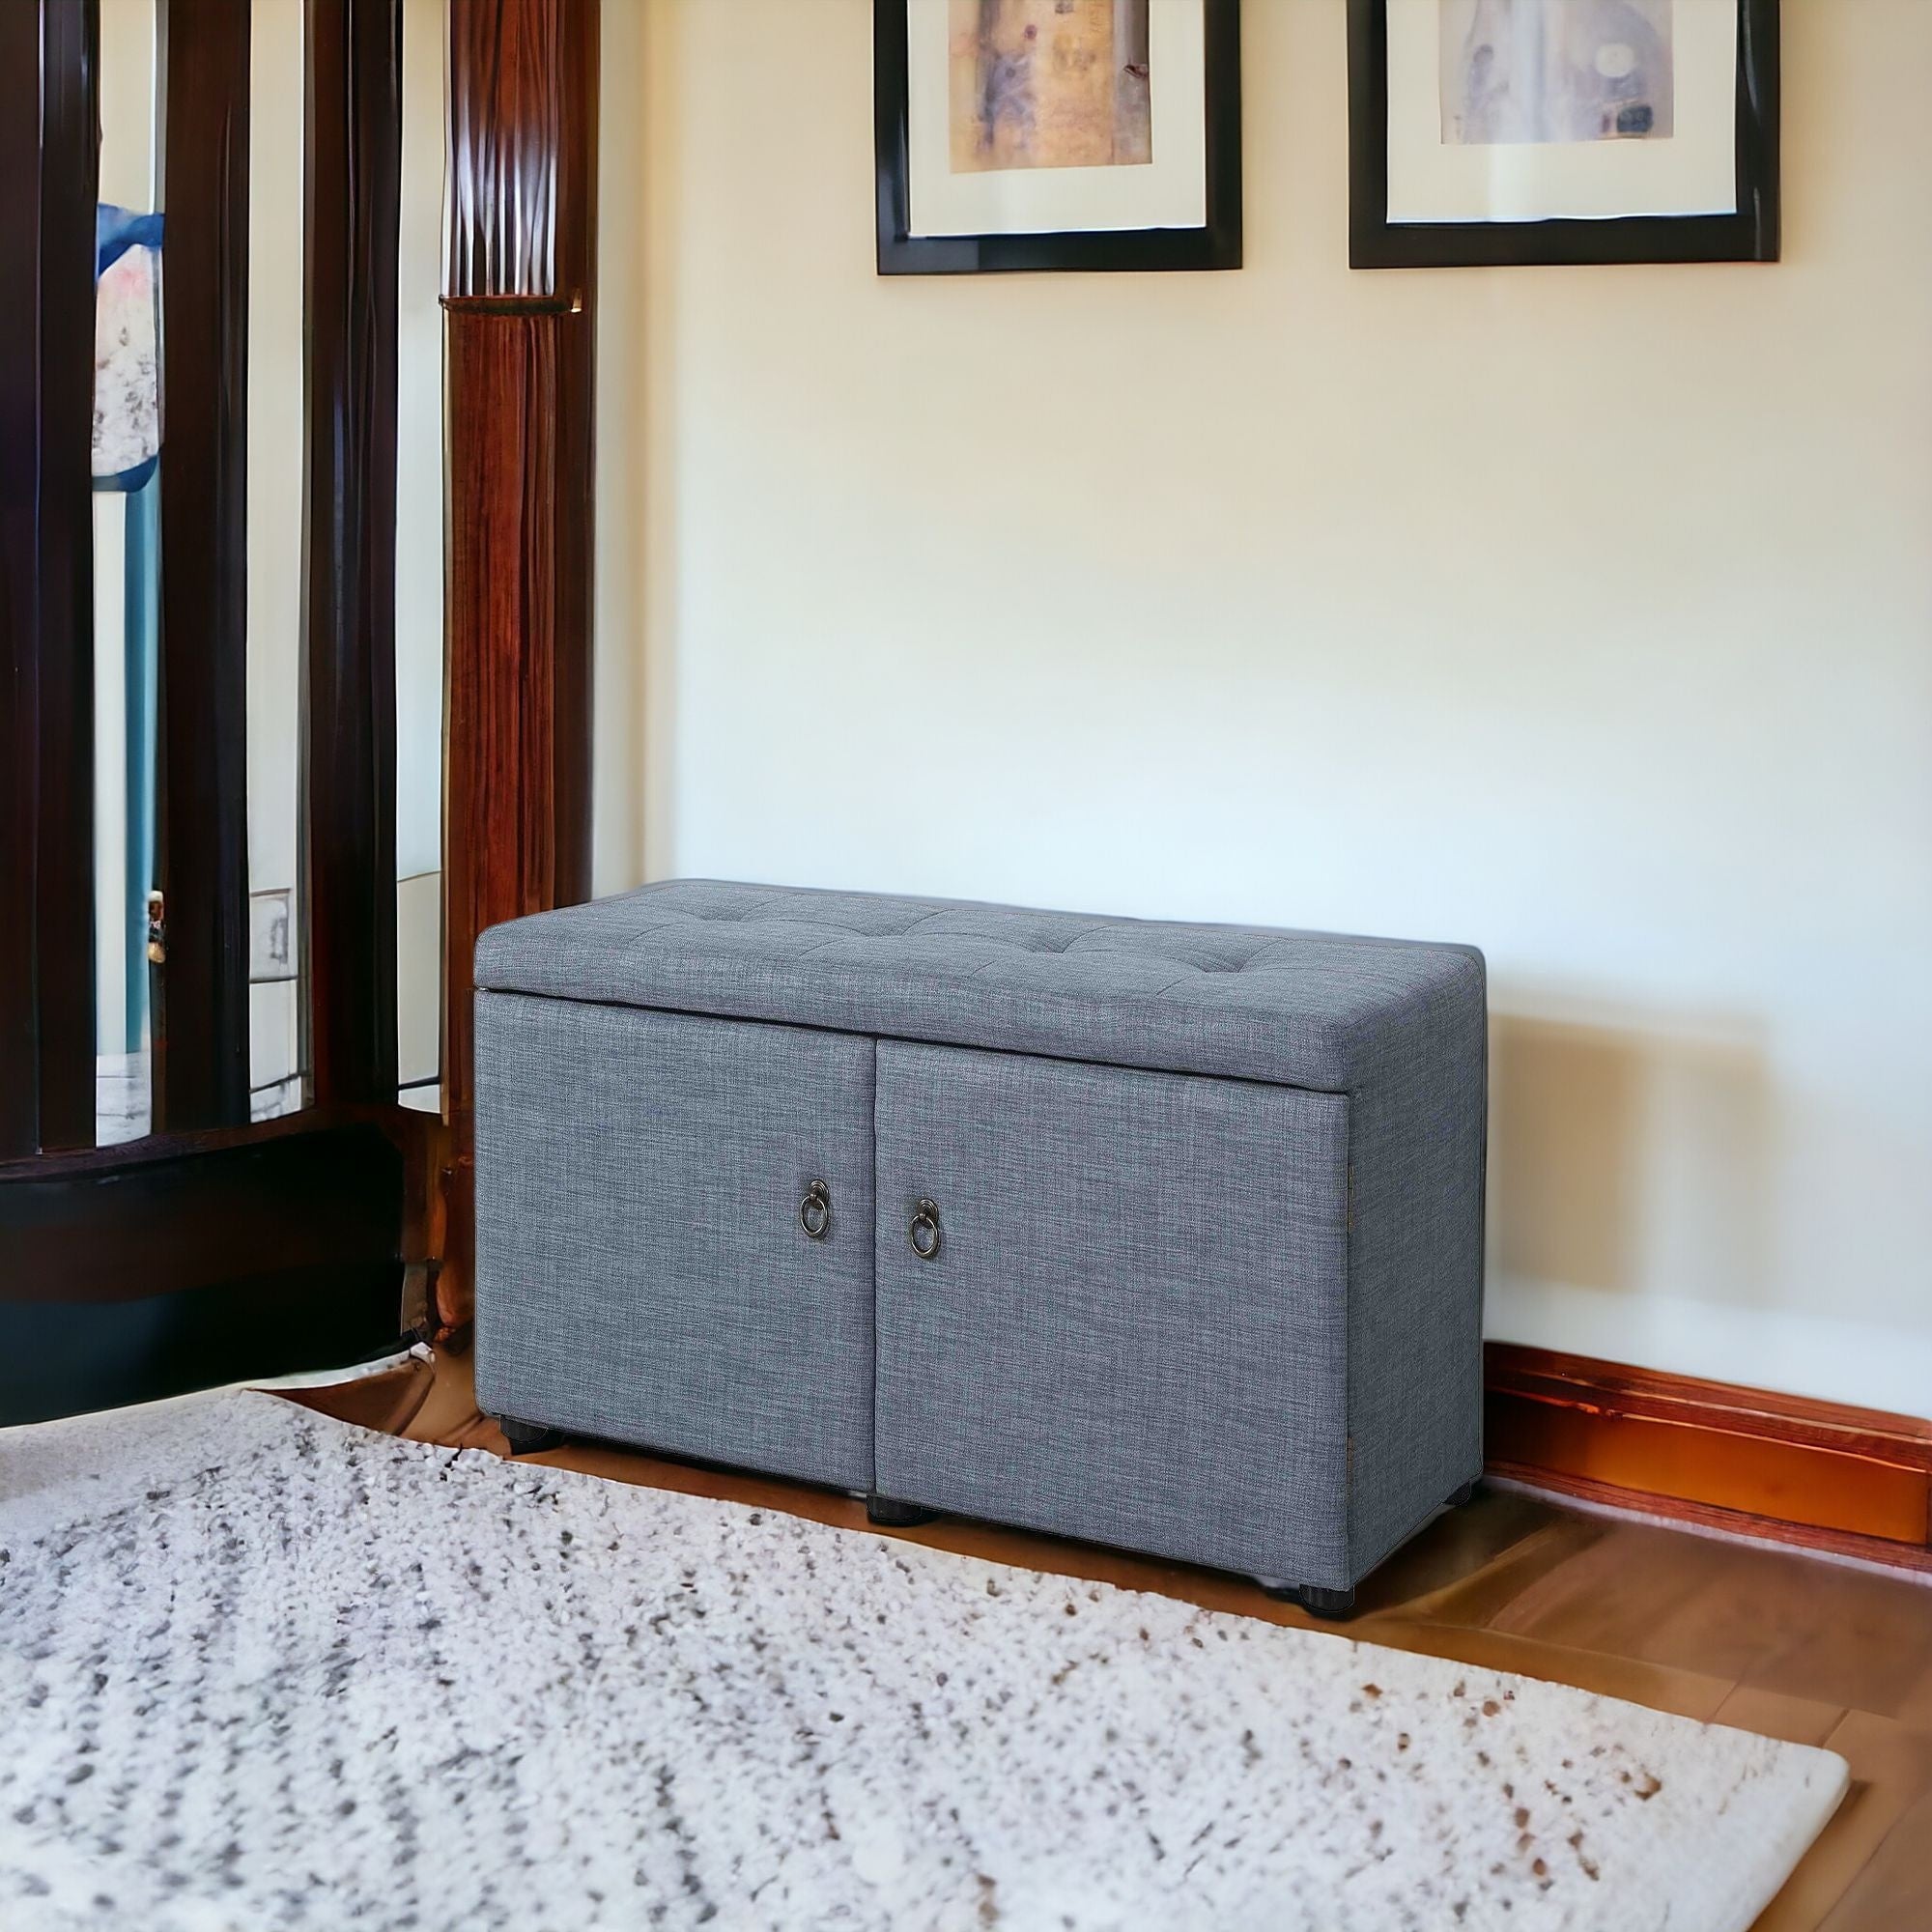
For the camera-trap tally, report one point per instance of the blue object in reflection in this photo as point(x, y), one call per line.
point(116, 230)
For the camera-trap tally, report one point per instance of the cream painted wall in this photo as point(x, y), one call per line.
point(1584, 614)
point(626, 266)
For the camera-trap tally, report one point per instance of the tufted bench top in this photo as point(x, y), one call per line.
point(1302, 1009)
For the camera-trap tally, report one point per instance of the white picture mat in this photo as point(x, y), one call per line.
point(1171, 192)
point(1693, 172)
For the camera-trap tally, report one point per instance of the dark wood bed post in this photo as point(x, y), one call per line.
point(49, 160)
point(64, 913)
point(520, 336)
point(201, 849)
point(352, 195)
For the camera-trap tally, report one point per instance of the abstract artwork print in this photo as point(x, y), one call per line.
point(1519, 72)
point(1049, 84)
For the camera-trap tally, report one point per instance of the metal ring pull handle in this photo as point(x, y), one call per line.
point(923, 1233)
point(814, 1211)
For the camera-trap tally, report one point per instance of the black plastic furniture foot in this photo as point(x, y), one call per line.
point(1458, 1497)
point(529, 1439)
point(1327, 1603)
point(889, 1514)
point(1316, 1603)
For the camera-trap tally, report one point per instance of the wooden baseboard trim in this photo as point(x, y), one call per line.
point(1731, 1522)
point(1822, 1475)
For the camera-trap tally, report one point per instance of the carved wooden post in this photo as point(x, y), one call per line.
point(519, 336)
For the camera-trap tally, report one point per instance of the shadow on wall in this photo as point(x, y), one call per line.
point(1630, 1157)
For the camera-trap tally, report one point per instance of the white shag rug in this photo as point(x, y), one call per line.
point(260, 1669)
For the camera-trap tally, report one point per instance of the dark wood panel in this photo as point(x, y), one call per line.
point(1820, 1473)
point(183, 1260)
point(521, 388)
point(70, 163)
point(123, 1282)
point(49, 149)
point(201, 1010)
point(19, 574)
point(352, 190)
point(403, 1126)
point(500, 853)
point(59, 1360)
point(329, 1195)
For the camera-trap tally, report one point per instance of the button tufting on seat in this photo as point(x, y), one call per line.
point(1138, 992)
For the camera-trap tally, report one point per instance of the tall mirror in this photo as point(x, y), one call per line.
point(128, 256)
point(220, 600)
point(130, 477)
point(419, 977)
point(275, 130)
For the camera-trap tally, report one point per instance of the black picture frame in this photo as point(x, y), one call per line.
point(1750, 234)
point(1216, 245)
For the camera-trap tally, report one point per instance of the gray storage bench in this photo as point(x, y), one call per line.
point(1167, 1237)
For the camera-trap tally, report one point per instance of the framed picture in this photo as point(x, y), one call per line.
point(1057, 134)
point(1497, 131)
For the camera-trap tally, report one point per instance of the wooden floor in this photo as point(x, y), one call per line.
point(1757, 1636)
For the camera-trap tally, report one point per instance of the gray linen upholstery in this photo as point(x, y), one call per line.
point(640, 1273)
point(1305, 1008)
point(1234, 1318)
point(1417, 1132)
point(1135, 1327)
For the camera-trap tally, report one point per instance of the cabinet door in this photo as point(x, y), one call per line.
point(1133, 1326)
point(643, 1271)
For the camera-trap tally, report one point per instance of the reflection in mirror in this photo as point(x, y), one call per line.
point(127, 484)
point(419, 563)
point(276, 473)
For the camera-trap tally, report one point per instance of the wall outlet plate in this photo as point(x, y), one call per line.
point(271, 936)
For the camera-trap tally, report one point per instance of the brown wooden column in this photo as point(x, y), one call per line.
point(352, 191)
point(71, 173)
point(520, 341)
point(201, 995)
point(48, 161)
point(19, 575)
